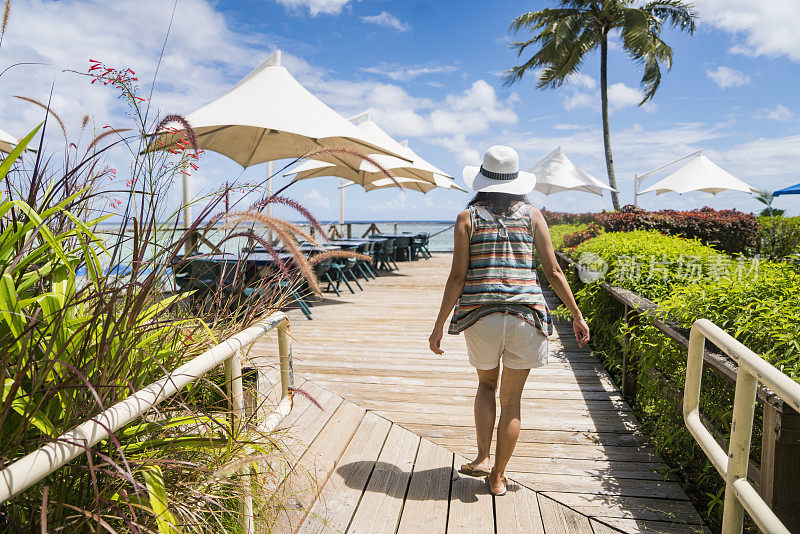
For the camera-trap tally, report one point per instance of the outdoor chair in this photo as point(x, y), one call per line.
point(402, 248)
point(419, 246)
point(343, 269)
point(384, 257)
point(279, 286)
point(362, 266)
point(323, 271)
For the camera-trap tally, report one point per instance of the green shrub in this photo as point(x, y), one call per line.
point(651, 263)
point(779, 237)
point(731, 231)
point(558, 231)
point(576, 238)
point(756, 302)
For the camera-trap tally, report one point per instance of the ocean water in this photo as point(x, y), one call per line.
point(441, 233)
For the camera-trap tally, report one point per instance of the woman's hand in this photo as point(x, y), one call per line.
point(435, 340)
point(581, 331)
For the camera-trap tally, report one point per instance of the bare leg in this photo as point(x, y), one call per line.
point(485, 413)
point(508, 427)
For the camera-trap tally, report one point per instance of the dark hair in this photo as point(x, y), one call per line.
point(499, 203)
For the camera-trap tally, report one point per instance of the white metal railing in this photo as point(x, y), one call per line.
point(33, 467)
point(739, 493)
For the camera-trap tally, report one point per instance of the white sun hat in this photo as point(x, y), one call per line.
point(499, 173)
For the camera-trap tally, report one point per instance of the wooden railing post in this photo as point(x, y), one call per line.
point(780, 463)
point(630, 360)
point(349, 230)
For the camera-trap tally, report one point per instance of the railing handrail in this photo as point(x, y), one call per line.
point(752, 369)
point(33, 467)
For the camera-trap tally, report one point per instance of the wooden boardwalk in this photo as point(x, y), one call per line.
point(396, 420)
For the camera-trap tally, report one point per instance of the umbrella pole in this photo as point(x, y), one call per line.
point(342, 182)
point(270, 172)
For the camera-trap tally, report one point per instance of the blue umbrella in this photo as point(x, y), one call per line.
point(791, 190)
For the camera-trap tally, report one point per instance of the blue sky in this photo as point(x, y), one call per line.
point(430, 72)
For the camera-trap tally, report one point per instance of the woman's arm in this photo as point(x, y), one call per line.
point(455, 282)
point(554, 274)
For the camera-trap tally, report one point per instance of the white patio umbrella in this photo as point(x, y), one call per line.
point(556, 173)
point(416, 167)
point(700, 174)
point(8, 142)
point(269, 115)
point(415, 185)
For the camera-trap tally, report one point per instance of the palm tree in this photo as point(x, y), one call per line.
point(566, 34)
point(767, 198)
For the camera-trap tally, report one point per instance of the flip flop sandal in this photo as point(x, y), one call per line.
point(500, 493)
point(470, 471)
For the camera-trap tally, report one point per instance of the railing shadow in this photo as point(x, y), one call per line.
point(634, 486)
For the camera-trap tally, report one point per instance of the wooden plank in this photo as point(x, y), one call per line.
point(529, 435)
point(425, 508)
point(558, 518)
point(379, 509)
point(357, 386)
point(628, 507)
point(598, 485)
point(650, 527)
point(562, 450)
point(305, 424)
point(470, 504)
point(575, 423)
point(337, 503)
point(591, 468)
point(518, 511)
point(602, 528)
point(301, 488)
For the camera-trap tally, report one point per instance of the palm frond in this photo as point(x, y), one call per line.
point(640, 33)
point(678, 14)
point(564, 43)
point(538, 19)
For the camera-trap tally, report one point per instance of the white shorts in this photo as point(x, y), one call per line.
point(502, 336)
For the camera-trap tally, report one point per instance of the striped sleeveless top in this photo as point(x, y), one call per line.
point(501, 277)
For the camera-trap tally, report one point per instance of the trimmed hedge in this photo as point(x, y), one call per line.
point(730, 231)
point(758, 303)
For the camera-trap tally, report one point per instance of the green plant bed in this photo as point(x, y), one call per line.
point(756, 302)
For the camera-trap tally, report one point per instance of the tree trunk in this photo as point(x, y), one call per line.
point(612, 180)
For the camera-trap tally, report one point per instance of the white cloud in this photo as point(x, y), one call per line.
point(779, 112)
point(315, 7)
point(448, 123)
point(621, 96)
point(581, 92)
point(765, 27)
point(385, 19)
point(726, 77)
point(579, 80)
point(315, 200)
point(408, 72)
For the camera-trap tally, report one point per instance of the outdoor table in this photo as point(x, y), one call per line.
point(350, 243)
point(395, 236)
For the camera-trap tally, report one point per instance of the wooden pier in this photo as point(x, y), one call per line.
point(396, 422)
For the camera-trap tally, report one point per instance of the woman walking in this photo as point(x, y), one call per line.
point(498, 301)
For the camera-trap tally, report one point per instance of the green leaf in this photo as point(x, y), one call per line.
point(14, 154)
point(154, 480)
